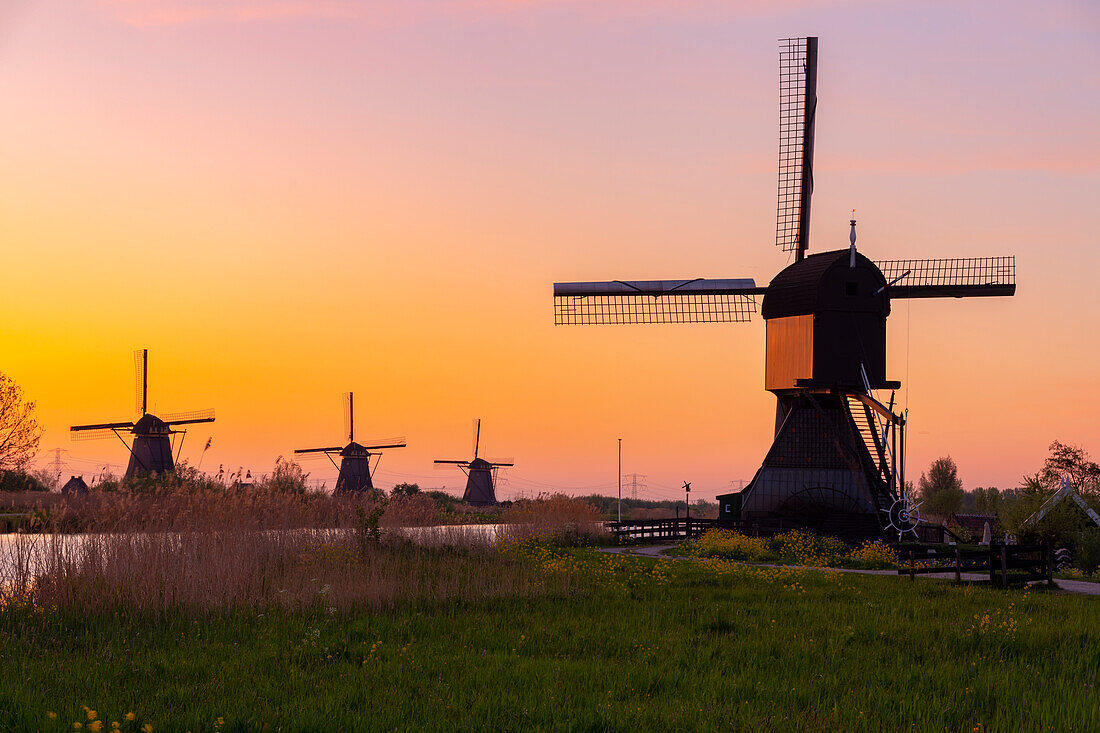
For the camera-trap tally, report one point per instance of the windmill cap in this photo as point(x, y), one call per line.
point(150, 424)
point(819, 283)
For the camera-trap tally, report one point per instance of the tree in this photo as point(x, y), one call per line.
point(404, 490)
point(19, 430)
point(1064, 521)
point(1072, 461)
point(940, 488)
point(988, 501)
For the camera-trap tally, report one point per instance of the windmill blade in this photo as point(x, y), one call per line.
point(309, 456)
point(91, 433)
point(719, 300)
point(439, 465)
point(477, 435)
point(349, 416)
point(193, 416)
point(966, 277)
point(385, 443)
point(797, 108)
point(505, 462)
point(102, 426)
point(141, 380)
point(336, 449)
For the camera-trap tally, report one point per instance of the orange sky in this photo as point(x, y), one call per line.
point(284, 201)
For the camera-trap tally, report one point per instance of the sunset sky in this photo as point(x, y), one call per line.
point(284, 200)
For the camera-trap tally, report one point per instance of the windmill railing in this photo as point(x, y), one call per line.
point(672, 528)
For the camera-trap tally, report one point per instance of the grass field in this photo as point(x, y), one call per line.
point(581, 641)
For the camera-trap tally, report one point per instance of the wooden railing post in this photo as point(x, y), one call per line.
point(1004, 565)
point(912, 566)
point(1050, 563)
point(958, 565)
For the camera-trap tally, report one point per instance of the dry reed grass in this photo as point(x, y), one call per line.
point(203, 551)
point(244, 508)
point(205, 570)
point(554, 517)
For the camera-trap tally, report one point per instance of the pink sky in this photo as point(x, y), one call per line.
point(284, 201)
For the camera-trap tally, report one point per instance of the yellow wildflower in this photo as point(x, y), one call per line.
point(95, 726)
point(78, 725)
point(147, 728)
point(91, 714)
point(129, 716)
point(51, 714)
point(114, 724)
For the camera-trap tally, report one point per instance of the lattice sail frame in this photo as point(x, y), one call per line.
point(797, 103)
point(655, 301)
point(189, 416)
point(620, 309)
point(950, 277)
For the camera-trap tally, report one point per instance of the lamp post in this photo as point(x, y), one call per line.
point(620, 480)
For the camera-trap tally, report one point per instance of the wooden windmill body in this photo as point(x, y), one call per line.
point(151, 436)
point(837, 462)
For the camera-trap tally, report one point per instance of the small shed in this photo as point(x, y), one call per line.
point(75, 486)
point(729, 506)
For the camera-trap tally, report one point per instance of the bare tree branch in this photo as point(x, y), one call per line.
point(18, 427)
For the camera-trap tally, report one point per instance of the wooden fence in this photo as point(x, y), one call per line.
point(1005, 564)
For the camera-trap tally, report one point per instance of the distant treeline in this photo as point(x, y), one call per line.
point(648, 509)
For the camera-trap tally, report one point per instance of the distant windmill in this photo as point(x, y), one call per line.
point(151, 447)
point(355, 458)
point(481, 475)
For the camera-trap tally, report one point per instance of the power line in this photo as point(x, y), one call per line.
point(635, 481)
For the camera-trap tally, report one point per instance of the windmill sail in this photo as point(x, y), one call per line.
point(797, 107)
point(349, 416)
point(730, 300)
point(189, 417)
point(330, 449)
point(141, 381)
point(97, 432)
point(951, 278)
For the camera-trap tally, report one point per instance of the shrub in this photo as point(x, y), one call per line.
point(874, 556)
point(729, 545)
point(21, 481)
point(806, 548)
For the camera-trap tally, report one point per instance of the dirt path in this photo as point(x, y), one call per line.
point(1070, 586)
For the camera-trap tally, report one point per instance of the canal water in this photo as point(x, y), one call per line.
point(23, 556)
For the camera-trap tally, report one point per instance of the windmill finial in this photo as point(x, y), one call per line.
point(852, 239)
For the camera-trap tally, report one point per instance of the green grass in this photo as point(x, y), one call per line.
point(646, 644)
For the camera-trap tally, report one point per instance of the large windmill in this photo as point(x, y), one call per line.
point(151, 444)
point(837, 462)
point(355, 466)
point(481, 474)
